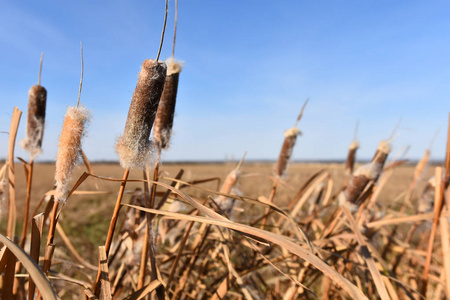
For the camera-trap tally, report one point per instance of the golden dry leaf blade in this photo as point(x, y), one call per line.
point(139, 294)
point(393, 221)
point(376, 276)
point(282, 241)
point(33, 269)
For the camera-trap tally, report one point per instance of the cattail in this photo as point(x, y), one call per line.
point(351, 159)
point(164, 117)
point(133, 147)
point(426, 200)
point(380, 157)
point(69, 148)
point(290, 137)
point(362, 176)
point(226, 203)
point(37, 98)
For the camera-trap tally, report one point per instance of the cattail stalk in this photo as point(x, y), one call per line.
point(134, 147)
point(164, 117)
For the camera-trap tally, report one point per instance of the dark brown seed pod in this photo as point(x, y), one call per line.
point(162, 130)
point(290, 137)
point(358, 182)
point(351, 159)
point(37, 99)
point(133, 147)
point(380, 158)
point(426, 200)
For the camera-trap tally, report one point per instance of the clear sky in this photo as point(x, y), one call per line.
point(249, 66)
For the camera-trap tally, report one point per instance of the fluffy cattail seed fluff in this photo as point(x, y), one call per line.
point(133, 147)
point(164, 118)
point(290, 137)
point(37, 98)
point(69, 146)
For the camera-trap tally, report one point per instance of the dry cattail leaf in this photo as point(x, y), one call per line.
point(37, 99)
point(164, 118)
point(69, 147)
point(133, 147)
point(290, 137)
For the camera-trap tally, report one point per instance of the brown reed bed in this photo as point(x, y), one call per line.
point(328, 236)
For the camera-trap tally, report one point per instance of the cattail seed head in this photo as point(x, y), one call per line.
point(351, 158)
point(290, 137)
point(69, 147)
point(226, 203)
point(162, 130)
point(380, 157)
point(426, 200)
point(37, 98)
point(358, 182)
point(134, 147)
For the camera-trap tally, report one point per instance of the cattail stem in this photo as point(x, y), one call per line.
point(175, 28)
point(271, 197)
point(27, 204)
point(40, 68)
point(112, 227)
point(290, 137)
point(81, 79)
point(163, 31)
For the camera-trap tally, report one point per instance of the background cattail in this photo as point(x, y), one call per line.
point(426, 200)
point(37, 98)
point(69, 146)
point(363, 175)
point(133, 147)
point(164, 118)
point(380, 157)
point(290, 137)
point(226, 203)
point(350, 163)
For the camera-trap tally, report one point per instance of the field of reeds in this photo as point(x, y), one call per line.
point(233, 230)
point(143, 229)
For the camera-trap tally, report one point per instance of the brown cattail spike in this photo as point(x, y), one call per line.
point(290, 137)
point(164, 118)
point(380, 157)
point(133, 147)
point(37, 99)
point(225, 203)
point(69, 147)
point(351, 158)
point(426, 200)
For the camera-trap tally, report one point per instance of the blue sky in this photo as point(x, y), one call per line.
point(249, 66)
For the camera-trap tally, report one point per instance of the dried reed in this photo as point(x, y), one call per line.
point(134, 147)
